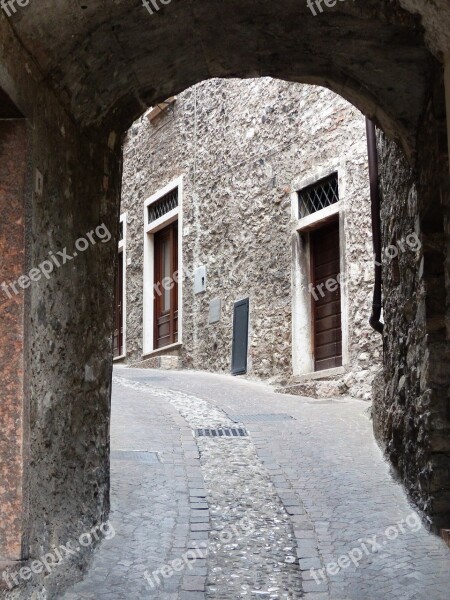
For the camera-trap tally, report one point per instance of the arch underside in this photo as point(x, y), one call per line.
point(110, 61)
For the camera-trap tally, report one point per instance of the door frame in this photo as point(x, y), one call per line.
point(148, 308)
point(302, 318)
point(122, 249)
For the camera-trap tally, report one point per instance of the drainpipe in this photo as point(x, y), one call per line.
point(376, 224)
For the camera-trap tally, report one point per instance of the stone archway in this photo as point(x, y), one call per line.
point(81, 74)
point(108, 63)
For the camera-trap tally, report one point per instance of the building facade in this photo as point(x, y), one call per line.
point(246, 237)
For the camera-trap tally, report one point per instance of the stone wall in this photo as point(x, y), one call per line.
point(242, 147)
point(63, 330)
point(412, 410)
point(13, 441)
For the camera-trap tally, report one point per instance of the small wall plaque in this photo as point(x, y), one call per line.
point(200, 280)
point(215, 310)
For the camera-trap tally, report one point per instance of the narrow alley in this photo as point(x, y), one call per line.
point(304, 506)
point(225, 300)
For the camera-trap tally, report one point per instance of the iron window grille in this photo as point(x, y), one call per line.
point(320, 195)
point(163, 206)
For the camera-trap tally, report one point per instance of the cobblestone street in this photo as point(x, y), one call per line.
point(304, 506)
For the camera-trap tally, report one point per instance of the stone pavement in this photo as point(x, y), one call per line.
point(151, 479)
point(303, 507)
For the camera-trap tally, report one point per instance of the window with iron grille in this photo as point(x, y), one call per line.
point(319, 195)
point(163, 206)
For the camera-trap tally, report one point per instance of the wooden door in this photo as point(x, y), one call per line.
point(118, 308)
point(166, 288)
point(327, 324)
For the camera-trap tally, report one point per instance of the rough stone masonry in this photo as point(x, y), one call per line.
point(243, 149)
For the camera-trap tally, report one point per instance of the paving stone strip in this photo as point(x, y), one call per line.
point(252, 545)
point(196, 411)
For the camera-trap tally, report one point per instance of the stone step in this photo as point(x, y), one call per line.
point(169, 362)
point(321, 388)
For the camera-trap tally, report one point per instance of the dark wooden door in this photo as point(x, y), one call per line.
point(118, 308)
point(166, 288)
point(240, 337)
point(326, 299)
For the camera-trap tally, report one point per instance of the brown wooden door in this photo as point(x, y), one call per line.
point(166, 288)
point(327, 325)
point(118, 308)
